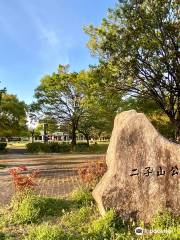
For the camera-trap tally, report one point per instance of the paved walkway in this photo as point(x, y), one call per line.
point(58, 173)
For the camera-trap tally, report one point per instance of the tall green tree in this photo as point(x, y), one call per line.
point(12, 116)
point(100, 106)
point(58, 96)
point(52, 125)
point(138, 49)
point(155, 114)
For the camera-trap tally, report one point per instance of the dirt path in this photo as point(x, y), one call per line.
point(58, 173)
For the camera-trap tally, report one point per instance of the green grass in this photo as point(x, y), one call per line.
point(30, 217)
point(82, 197)
point(46, 232)
point(17, 145)
point(31, 208)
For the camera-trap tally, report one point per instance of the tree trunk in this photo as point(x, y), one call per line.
point(45, 133)
point(32, 136)
point(73, 141)
point(177, 132)
point(87, 139)
point(176, 123)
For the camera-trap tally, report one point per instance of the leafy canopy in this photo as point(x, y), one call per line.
point(138, 48)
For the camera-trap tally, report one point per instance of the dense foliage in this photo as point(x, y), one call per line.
point(12, 116)
point(138, 48)
point(58, 95)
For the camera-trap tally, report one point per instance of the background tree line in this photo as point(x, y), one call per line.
point(138, 50)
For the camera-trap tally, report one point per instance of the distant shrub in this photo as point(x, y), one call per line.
point(92, 148)
point(46, 232)
point(2, 146)
point(35, 147)
point(55, 147)
point(92, 173)
point(81, 147)
point(50, 147)
point(82, 144)
point(98, 148)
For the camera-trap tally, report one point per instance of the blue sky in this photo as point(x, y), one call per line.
point(38, 35)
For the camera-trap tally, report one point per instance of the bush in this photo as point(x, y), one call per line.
point(46, 231)
point(55, 147)
point(82, 144)
point(3, 146)
point(93, 148)
point(35, 147)
point(103, 227)
point(22, 182)
point(2, 236)
point(92, 173)
point(82, 196)
point(51, 147)
point(78, 220)
point(98, 148)
point(163, 220)
point(32, 208)
point(81, 147)
point(166, 221)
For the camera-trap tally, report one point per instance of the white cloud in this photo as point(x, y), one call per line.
point(45, 32)
point(54, 46)
point(50, 36)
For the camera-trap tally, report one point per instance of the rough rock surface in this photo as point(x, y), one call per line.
point(136, 144)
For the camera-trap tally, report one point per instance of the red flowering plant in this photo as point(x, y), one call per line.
point(23, 182)
point(92, 173)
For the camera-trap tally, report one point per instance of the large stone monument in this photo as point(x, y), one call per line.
point(143, 170)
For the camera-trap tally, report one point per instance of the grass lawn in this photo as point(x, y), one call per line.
point(30, 217)
point(17, 145)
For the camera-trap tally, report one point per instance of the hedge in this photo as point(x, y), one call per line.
point(3, 146)
point(51, 147)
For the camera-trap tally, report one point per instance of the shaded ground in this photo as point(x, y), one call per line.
point(58, 173)
point(16, 151)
